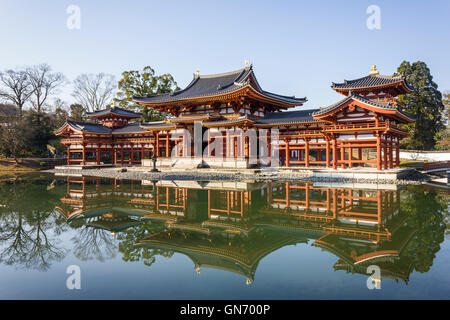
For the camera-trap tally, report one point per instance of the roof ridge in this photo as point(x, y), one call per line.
point(182, 90)
point(370, 76)
point(218, 75)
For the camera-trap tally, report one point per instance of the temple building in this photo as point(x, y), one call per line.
point(228, 120)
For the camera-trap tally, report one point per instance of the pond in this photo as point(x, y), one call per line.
point(220, 240)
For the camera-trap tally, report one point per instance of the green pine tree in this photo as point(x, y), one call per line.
point(425, 102)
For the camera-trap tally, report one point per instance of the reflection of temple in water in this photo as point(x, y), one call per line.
point(233, 225)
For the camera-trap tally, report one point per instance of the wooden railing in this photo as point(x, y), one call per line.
point(358, 126)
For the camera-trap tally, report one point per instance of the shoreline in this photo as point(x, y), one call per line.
point(130, 173)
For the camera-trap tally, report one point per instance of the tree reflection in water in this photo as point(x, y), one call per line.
point(29, 225)
point(228, 229)
point(94, 243)
point(133, 253)
point(427, 212)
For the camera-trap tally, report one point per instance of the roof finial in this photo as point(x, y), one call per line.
point(374, 70)
point(197, 73)
point(247, 64)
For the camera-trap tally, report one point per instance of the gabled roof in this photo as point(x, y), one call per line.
point(286, 118)
point(115, 111)
point(85, 127)
point(381, 105)
point(207, 86)
point(372, 81)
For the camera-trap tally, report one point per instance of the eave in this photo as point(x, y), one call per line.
point(245, 90)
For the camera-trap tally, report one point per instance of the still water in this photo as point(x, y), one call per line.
point(220, 240)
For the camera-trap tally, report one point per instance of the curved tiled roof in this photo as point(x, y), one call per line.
point(288, 117)
point(129, 128)
point(116, 110)
point(217, 84)
point(87, 127)
point(385, 105)
point(370, 81)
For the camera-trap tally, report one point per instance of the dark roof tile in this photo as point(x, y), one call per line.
point(116, 110)
point(88, 127)
point(287, 117)
point(129, 128)
point(373, 80)
point(216, 84)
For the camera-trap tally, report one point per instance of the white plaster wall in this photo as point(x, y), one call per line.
point(425, 155)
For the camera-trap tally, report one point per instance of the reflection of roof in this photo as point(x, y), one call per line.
point(330, 242)
point(95, 212)
point(113, 225)
point(218, 84)
point(114, 111)
point(221, 255)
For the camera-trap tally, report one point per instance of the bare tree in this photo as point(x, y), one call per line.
point(13, 136)
point(45, 83)
point(16, 87)
point(94, 91)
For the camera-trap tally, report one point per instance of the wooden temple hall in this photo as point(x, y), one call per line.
point(228, 120)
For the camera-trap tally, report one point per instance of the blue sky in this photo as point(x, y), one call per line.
point(296, 47)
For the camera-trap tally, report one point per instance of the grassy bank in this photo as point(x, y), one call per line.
point(10, 167)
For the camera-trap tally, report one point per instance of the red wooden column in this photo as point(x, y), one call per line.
point(83, 154)
point(378, 151)
point(167, 144)
point(350, 157)
point(385, 154)
point(121, 154)
point(360, 156)
point(97, 154)
point(343, 157)
point(397, 153)
point(246, 147)
point(132, 154)
point(157, 144)
point(209, 142)
point(328, 153)
point(379, 207)
point(68, 154)
point(287, 152)
point(335, 153)
point(391, 154)
point(307, 152)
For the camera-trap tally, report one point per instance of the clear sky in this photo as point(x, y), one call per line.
point(296, 47)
